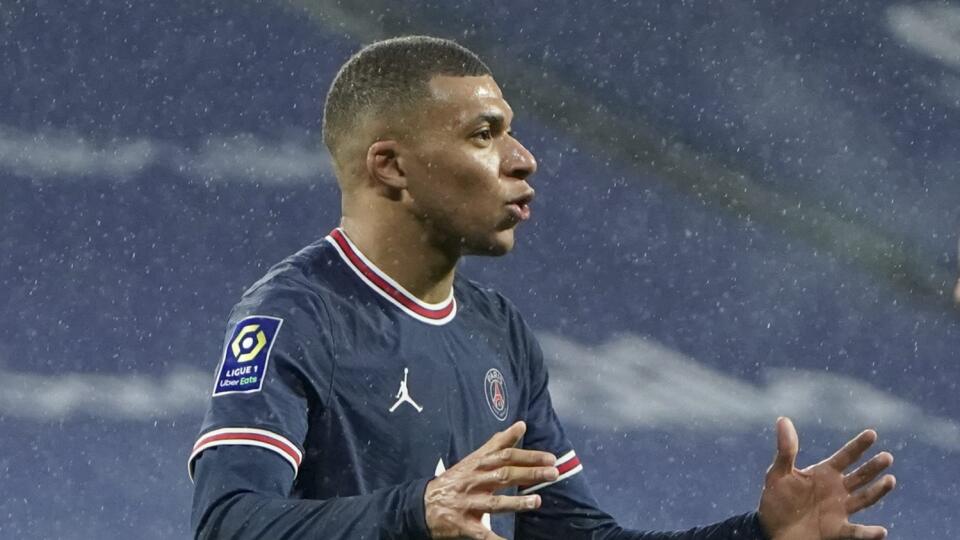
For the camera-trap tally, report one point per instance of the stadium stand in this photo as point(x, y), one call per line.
point(157, 158)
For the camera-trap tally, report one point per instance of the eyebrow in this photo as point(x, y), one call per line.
point(496, 120)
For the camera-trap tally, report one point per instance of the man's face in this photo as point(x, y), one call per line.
point(466, 174)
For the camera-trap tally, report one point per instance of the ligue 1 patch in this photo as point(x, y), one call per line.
point(246, 357)
point(495, 388)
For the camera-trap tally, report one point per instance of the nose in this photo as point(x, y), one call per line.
point(518, 162)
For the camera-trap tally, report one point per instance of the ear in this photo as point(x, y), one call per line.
point(383, 167)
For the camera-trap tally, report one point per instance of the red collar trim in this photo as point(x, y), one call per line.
point(382, 284)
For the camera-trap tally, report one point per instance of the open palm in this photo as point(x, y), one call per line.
point(817, 502)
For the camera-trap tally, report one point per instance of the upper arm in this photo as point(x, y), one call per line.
point(274, 371)
point(544, 430)
point(568, 506)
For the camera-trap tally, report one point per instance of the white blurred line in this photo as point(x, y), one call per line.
point(932, 28)
point(632, 383)
point(130, 397)
point(627, 383)
point(63, 155)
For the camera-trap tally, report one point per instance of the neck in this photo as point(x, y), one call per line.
point(402, 250)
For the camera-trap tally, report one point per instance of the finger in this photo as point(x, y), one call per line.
point(516, 456)
point(788, 445)
point(868, 471)
point(517, 476)
point(869, 495)
point(853, 450)
point(497, 504)
point(507, 438)
point(863, 532)
point(477, 531)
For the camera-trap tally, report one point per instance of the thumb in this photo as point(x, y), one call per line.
point(788, 445)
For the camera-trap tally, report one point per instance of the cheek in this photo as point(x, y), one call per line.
point(464, 181)
point(477, 176)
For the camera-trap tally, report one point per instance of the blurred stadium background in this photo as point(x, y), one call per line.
point(745, 209)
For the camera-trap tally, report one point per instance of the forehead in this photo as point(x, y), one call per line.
point(461, 99)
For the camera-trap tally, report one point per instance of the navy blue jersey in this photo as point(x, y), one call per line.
point(340, 395)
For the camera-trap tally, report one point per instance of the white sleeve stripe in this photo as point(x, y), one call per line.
point(565, 458)
point(247, 437)
point(251, 431)
point(563, 476)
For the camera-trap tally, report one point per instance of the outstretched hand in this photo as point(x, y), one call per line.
point(457, 499)
point(817, 502)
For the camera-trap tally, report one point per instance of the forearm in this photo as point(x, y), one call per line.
point(574, 514)
point(232, 505)
point(384, 514)
point(742, 527)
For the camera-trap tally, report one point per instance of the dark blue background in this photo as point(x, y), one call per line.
point(132, 273)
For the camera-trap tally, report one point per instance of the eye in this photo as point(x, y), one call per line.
point(484, 134)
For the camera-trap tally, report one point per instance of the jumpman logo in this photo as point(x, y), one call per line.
point(403, 395)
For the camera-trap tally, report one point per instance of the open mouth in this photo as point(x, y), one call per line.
point(519, 207)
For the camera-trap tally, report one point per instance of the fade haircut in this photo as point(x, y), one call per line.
point(387, 75)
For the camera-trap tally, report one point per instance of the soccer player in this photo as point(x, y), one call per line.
point(368, 391)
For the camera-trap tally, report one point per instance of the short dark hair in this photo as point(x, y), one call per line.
point(390, 73)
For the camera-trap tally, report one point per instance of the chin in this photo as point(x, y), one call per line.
point(499, 244)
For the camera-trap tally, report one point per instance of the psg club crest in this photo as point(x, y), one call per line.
point(495, 389)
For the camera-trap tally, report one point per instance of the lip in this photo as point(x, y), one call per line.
point(519, 211)
point(519, 207)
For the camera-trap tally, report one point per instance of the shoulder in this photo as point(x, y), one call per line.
point(296, 290)
point(484, 300)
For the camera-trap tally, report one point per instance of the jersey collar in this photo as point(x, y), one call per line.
point(382, 284)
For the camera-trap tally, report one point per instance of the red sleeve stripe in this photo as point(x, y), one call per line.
point(247, 437)
point(567, 465)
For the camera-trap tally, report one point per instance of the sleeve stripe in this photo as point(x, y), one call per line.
point(248, 437)
point(568, 465)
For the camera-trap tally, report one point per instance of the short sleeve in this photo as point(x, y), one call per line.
point(273, 370)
